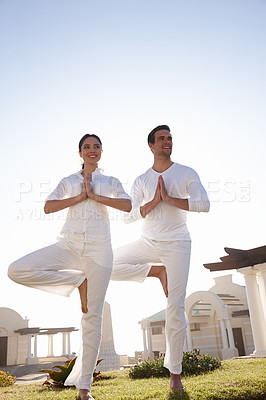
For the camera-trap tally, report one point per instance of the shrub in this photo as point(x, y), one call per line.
point(193, 364)
point(6, 379)
point(148, 369)
point(58, 377)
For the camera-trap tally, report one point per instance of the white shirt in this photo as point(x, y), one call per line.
point(88, 218)
point(166, 222)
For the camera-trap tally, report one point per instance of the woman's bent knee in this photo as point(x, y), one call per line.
point(13, 272)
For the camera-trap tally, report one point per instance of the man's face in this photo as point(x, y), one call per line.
point(163, 143)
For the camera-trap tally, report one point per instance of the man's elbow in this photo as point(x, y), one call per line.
point(202, 205)
point(205, 206)
point(128, 206)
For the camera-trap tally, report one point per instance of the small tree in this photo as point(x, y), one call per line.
point(58, 378)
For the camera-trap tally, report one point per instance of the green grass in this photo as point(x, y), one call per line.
point(241, 379)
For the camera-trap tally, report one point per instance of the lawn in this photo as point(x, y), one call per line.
point(241, 379)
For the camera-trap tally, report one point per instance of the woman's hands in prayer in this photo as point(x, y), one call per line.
point(87, 191)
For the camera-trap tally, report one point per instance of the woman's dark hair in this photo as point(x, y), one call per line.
point(151, 138)
point(86, 137)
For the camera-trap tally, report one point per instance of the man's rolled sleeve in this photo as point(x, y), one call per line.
point(198, 200)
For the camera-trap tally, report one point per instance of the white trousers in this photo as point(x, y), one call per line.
point(63, 266)
point(132, 260)
point(59, 269)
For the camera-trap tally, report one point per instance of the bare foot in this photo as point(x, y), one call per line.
point(84, 394)
point(83, 298)
point(159, 271)
point(175, 383)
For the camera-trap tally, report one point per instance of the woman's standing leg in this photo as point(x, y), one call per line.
point(97, 271)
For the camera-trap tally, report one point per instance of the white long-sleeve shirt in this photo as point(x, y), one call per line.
point(88, 218)
point(166, 222)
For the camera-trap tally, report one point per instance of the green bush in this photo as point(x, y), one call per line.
point(148, 369)
point(193, 364)
point(6, 379)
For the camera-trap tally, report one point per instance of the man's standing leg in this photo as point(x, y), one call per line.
point(176, 258)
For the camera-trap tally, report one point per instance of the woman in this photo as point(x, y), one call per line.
point(82, 257)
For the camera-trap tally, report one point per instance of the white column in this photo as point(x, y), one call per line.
point(150, 353)
point(32, 359)
point(35, 346)
point(230, 333)
point(145, 352)
point(256, 311)
point(223, 332)
point(64, 340)
point(50, 346)
point(261, 274)
point(68, 343)
point(232, 351)
point(29, 347)
point(189, 338)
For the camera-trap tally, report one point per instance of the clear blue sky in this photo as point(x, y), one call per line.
point(118, 69)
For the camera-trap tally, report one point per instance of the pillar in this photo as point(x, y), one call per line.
point(230, 333)
point(35, 347)
point(150, 352)
point(50, 346)
point(29, 347)
point(223, 332)
point(232, 348)
point(145, 353)
point(189, 339)
point(64, 341)
point(257, 320)
point(261, 274)
point(68, 343)
point(32, 359)
point(227, 351)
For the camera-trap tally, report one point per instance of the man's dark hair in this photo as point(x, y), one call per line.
point(151, 138)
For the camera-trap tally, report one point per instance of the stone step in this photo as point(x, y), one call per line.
point(21, 370)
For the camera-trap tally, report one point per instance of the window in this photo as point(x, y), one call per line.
point(195, 326)
point(157, 330)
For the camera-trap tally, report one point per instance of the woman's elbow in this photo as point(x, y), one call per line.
point(46, 208)
point(207, 206)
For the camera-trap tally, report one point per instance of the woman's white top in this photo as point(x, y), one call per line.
point(88, 218)
point(166, 222)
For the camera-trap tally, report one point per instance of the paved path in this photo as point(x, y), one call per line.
point(26, 374)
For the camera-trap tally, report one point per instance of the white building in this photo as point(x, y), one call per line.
point(19, 342)
point(218, 323)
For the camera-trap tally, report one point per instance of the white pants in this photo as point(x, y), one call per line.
point(132, 260)
point(59, 269)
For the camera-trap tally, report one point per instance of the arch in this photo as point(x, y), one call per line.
point(3, 331)
point(10, 320)
point(209, 297)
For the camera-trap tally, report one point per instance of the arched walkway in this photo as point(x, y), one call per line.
point(203, 307)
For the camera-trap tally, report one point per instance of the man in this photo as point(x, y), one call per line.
point(161, 197)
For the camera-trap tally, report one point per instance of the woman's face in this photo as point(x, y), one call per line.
point(91, 151)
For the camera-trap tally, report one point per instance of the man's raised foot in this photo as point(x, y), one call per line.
point(159, 271)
